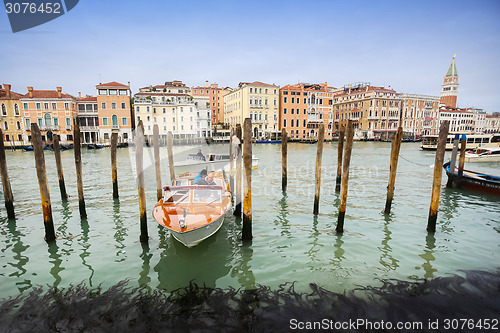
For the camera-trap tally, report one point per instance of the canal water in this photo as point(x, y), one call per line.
point(289, 244)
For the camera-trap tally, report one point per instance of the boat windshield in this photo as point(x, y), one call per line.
point(200, 194)
point(176, 195)
point(207, 195)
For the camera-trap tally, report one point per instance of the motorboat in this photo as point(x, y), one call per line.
point(210, 162)
point(473, 180)
point(483, 155)
point(255, 164)
point(193, 213)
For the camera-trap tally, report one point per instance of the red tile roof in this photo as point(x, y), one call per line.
point(13, 95)
point(87, 99)
point(46, 94)
point(257, 83)
point(113, 84)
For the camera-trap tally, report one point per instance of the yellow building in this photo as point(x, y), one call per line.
point(10, 117)
point(419, 114)
point(257, 101)
point(375, 111)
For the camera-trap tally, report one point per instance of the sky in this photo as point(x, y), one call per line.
point(407, 45)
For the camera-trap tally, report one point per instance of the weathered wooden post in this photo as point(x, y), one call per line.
point(438, 171)
point(247, 183)
point(345, 176)
point(7, 190)
point(57, 155)
point(114, 171)
point(237, 181)
point(170, 143)
point(461, 161)
point(395, 147)
point(453, 161)
point(284, 152)
point(319, 155)
point(78, 164)
point(156, 143)
point(139, 143)
point(41, 173)
point(231, 161)
point(339, 158)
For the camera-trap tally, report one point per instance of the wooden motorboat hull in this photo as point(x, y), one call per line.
point(474, 180)
point(194, 237)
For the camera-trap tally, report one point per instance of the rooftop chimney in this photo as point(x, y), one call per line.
point(59, 92)
point(7, 89)
point(79, 95)
point(30, 91)
point(206, 84)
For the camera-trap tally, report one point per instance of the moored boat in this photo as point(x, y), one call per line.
point(473, 180)
point(193, 213)
point(483, 155)
point(474, 141)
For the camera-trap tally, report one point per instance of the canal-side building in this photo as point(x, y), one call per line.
point(215, 97)
point(492, 123)
point(375, 111)
point(114, 111)
point(172, 107)
point(52, 110)
point(461, 120)
point(11, 119)
point(88, 118)
point(419, 114)
point(257, 101)
point(303, 107)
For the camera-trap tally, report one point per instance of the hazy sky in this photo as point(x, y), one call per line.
point(407, 45)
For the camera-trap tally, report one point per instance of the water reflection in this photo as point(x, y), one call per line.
point(386, 258)
point(85, 244)
point(428, 256)
point(56, 262)
point(19, 260)
point(144, 278)
point(241, 268)
point(203, 264)
point(339, 251)
point(315, 247)
point(121, 232)
point(282, 218)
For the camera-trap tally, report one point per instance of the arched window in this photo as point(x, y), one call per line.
point(114, 120)
point(18, 125)
point(16, 109)
point(4, 110)
point(313, 99)
point(5, 125)
point(48, 119)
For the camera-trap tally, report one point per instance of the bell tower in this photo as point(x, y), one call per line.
point(449, 88)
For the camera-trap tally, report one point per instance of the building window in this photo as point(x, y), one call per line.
point(103, 105)
point(48, 120)
point(4, 110)
point(27, 120)
point(40, 122)
point(6, 126)
point(284, 122)
point(68, 122)
point(113, 105)
point(46, 106)
point(56, 122)
point(66, 106)
point(124, 121)
point(105, 121)
point(123, 105)
point(103, 92)
point(123, 92)
point(25, 106)
point(38, 106)
point(112, 92)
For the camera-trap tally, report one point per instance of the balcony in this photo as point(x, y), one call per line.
point(49, 128)
point(372, 117)
point(259, 106)
point(89, 128)
point(115, 127)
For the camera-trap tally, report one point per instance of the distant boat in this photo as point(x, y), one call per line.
point(473, 180)
point(255, 164)
point(94, 146)
point(429, 142)
point(483, 155)
point(28, 148)
point(197, 162)
point(268, 141)
point(193, 213)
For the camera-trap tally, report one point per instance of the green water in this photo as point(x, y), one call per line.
point(289, 244)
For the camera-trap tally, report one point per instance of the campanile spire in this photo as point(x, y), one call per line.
point(449, 88)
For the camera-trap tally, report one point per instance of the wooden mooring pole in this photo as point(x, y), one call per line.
point(170, 143)
point(156, 144)
point(238, 176)
point(319, 155)
point(338, 181)
point(139, 143)
point(231, 161)
point(461, 161)
point(114, 171)
point(284, 152)
point(41, 173)
point(7, 190)
point(453, 161)
point(78, 164)
point(395, 147)
point(57, 155)
point(247, 183)
point(345, 176)
point(438, 171)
